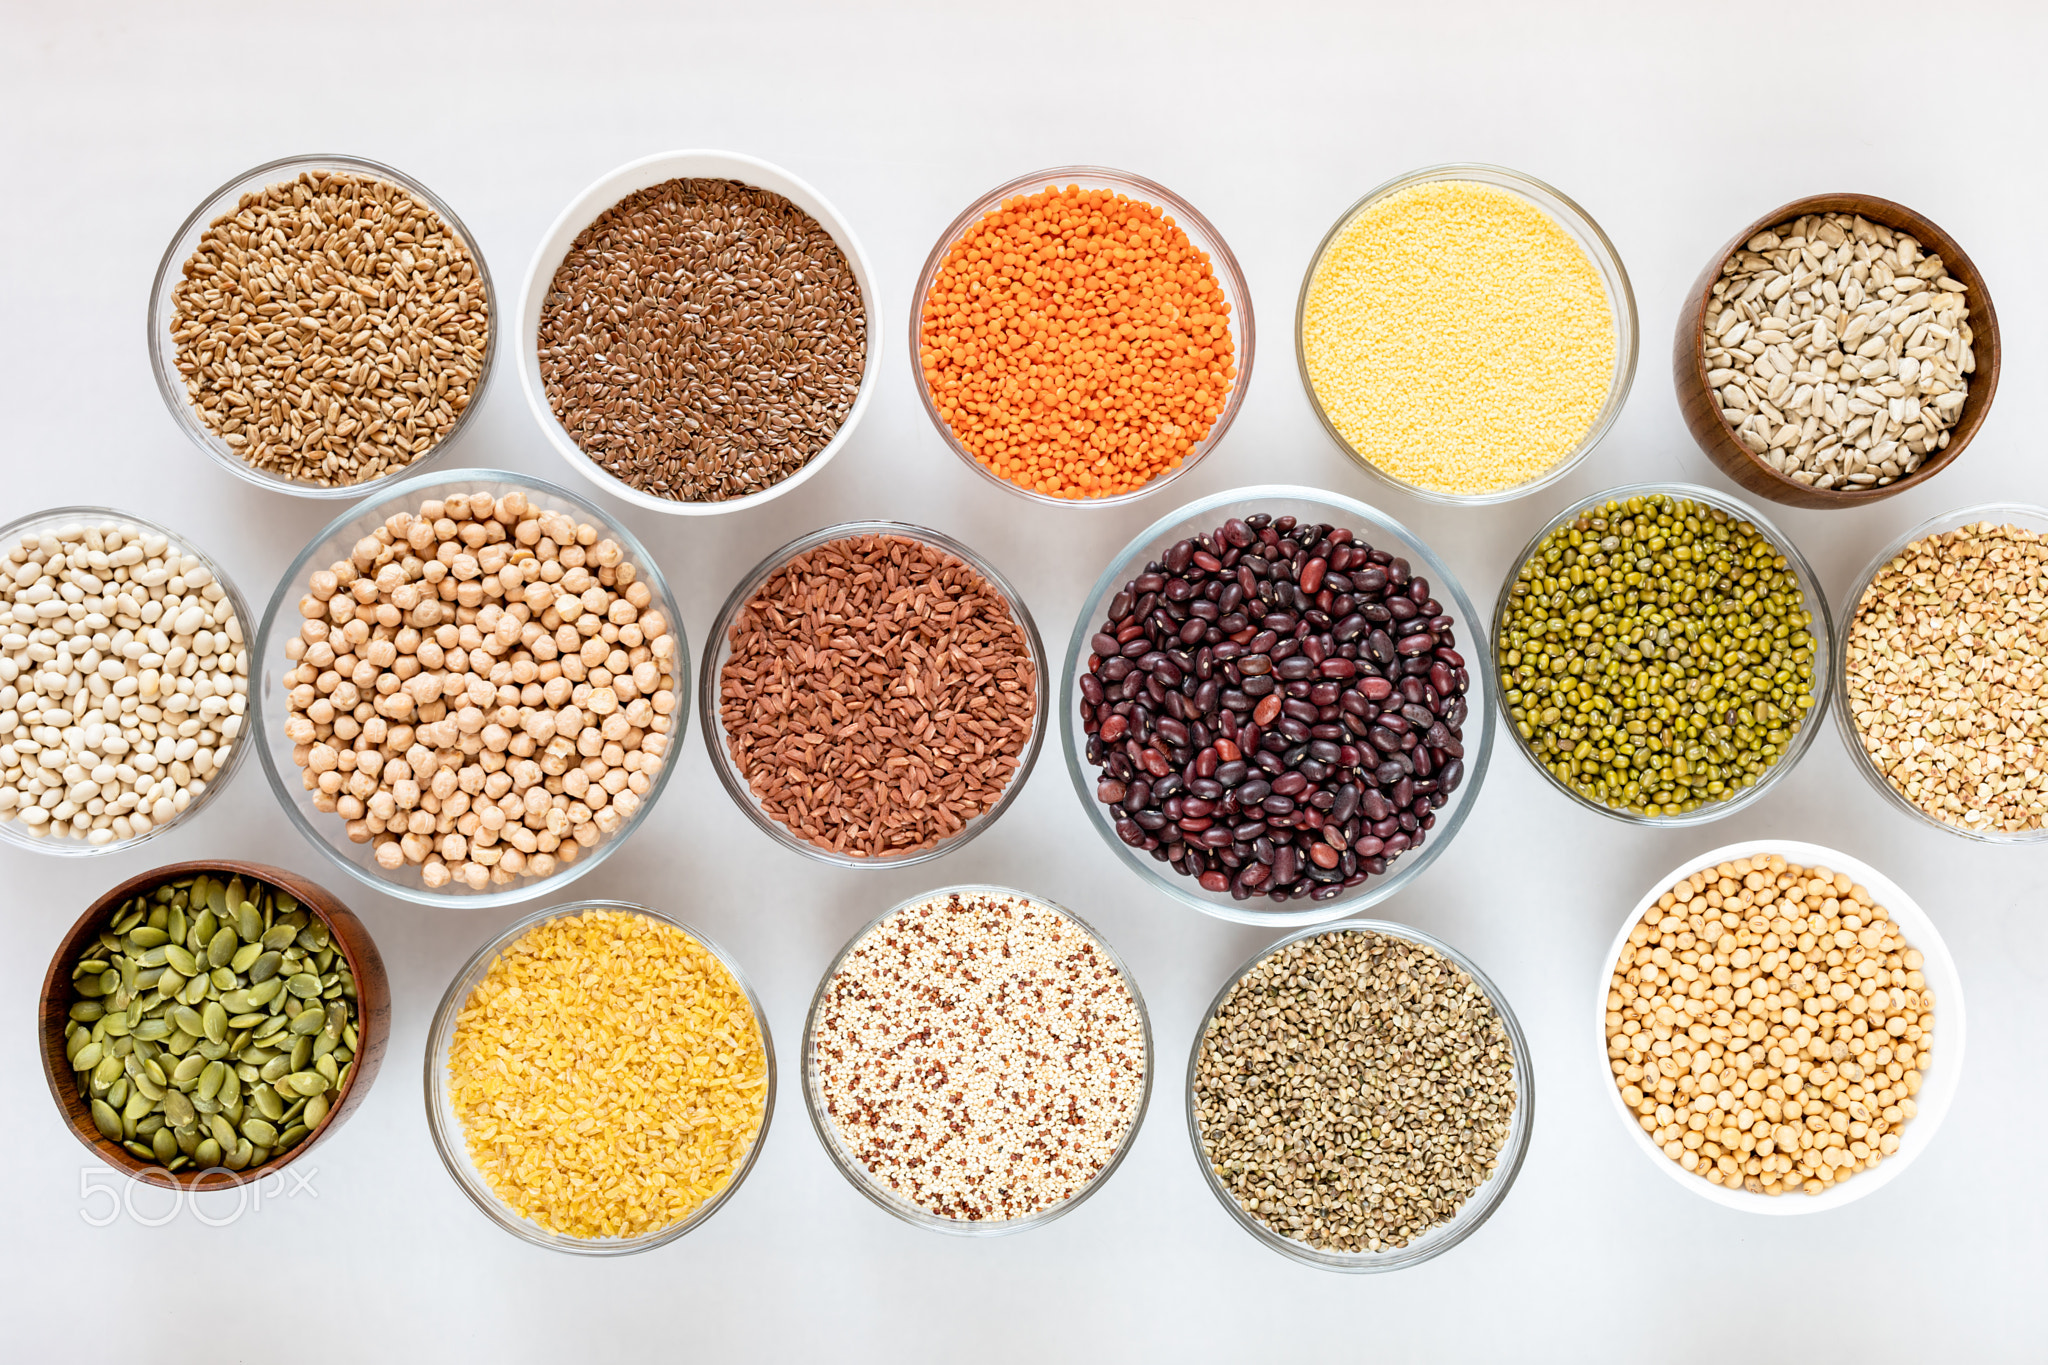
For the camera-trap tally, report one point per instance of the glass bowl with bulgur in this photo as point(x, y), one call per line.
point(599, 1078)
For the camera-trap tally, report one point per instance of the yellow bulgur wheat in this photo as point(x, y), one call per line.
point(608, 1073)
point(1458, 337)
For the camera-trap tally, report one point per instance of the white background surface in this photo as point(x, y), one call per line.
point(1672, 130)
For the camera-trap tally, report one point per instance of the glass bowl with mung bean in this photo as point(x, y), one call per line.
point(1360, 1097)
point(470, 689)
point(1275, 707)
point(553, 1018)
point(322, 325)
point(1942, 662)
point(1663, 653)
point(205, 1023)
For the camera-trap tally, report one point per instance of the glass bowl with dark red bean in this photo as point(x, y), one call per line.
point(1268, 708)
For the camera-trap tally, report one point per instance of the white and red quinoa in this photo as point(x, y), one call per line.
point(981, 1054)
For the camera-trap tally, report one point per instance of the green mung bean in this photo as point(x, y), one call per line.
point(177, 1065)
point(1656, 654)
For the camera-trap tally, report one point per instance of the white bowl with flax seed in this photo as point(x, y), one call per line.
point(593, 203)
point(1940, 1067)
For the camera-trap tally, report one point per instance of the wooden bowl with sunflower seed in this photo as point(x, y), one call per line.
point(205, 1024)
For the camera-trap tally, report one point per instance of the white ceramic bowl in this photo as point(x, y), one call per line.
point(584, 209)
point(1936, 1093)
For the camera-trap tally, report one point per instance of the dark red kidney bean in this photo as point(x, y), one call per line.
point(1172, 731)
point(1397, 572)
point(1202, 559)
point(1249, 794)
point(1441, 677)
point(1268, 709)
point(1214, 881)
point(1135, 648)
point(1322, 751)
point(1452, 774)
point(1238, 532)
point(1227, 751)
point(1403, 793)
point(1111, 792)
point(1401, 609)
point(1155, 763)
point(1368, 847)
point(1113, 729)
point(1312, 574)
point(1412, 645)
point(1255, 665)
point(1091, 689)
point(1325, 693)
point(1451, 657)
point(1130, 832)
point(1303, 711)
point(1207, 788)
point(1397, 843)
point(1177, 557)
point(1323, 855)
point(1388, 773)
point(1196, 806)
point(1294, 731)
point(1105, 644)
point(1290, 784)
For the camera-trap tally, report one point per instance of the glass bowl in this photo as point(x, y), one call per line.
point(163, 312)
point(2002, 513)
point(281, 620)
point(11, 830)
point(599, 197)
point(1371, 525)
point(1201, 233)
point(858, 1175)
point(447, 1127)
point(1478, 1206)
point(1820, 627)
point(1935, 1096)
point(1577, 224)
point(718, 649)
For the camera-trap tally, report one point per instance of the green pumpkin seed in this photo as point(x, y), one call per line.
point(201, 932)
point(106, 1120)
point(236, 1002)
point(138, 1104)
point(147, 1125)
point(223, 979)
point(223, 1131)
point(217, 897)
point(269, 1104)
point(245, 1022)
point(117, 1093)
point(221, 947)
point(87, 1057)
point(265, 967)
point(180, 960)
point(324, 1046)
point(152, 1030)
point(207, 1155)
point(239, 1158)
point(260, 1131)
point(140, 1149)
point(163, 1144)
point(280, 937)
point(308, 1083)
point(248, 923)
point(176, 922)
point(293, 1136)
point(188, 1069)
point(245, 956)
point(116, 1025)
point(316, 1111)
point(305, 985)
point(196, 990)
point(210, 1080)
point(85, 1011)
point(142, 936)
point(271, 1027)
point(91, 966)
point(215, 1022)
point(92, 988)
point(309, 1022)
point(109, 1070)
point(178, 1110)
point(188, 1020)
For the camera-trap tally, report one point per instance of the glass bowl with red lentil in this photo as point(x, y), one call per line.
point(865, 742)
point(571, 995)
point(1917, 640)
point(1034, 1106)
point(332, 417)
point(1525, 275)
point(575, 801)
point(1205, 334)
point(1313, 686)
point(743, 337)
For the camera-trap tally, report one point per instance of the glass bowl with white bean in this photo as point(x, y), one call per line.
point(471, 688)
point(123, 680)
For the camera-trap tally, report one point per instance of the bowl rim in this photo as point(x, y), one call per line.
point(1223, 265)
point(1690, 346)
point(373, 1023)
point(717, 651)
point(1821, 628)
point(1513, 1151)
point(1591, 239)
point(290, 586)
point(443, 1125)
point(599, 197)
point(1478, 663)
point(71, 846)
point(859, 1176)
point(1936, 1096)
point(163, 353)
point(1838, 682)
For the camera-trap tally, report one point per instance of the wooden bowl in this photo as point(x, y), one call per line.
point(1702, 409)
point(373, 1021)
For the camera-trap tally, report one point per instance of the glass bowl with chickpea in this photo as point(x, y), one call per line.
point(471, 688)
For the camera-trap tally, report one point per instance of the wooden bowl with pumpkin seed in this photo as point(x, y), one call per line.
point(224, 1031)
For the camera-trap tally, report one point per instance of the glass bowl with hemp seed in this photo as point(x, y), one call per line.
point(205, 1024)
point(1663, 653)
point(1360, 1097)
point(322, 325)
point(1335, 735)
point(1942, 663)
point(698, 333)
point(435, 744)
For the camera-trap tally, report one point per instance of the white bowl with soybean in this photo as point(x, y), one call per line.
point(593, 202)
point(1937, 1091)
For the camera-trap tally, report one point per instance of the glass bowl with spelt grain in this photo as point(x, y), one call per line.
point(1781, 1026)
point(322, 325)
point(470, 689)
point(873, 694)
point(1466, 333)
point(698, 333)
point(1941, 671)
point(630, 1019)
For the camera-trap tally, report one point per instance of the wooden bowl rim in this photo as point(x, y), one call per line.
point(1898, 217)
point(58, 1075)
